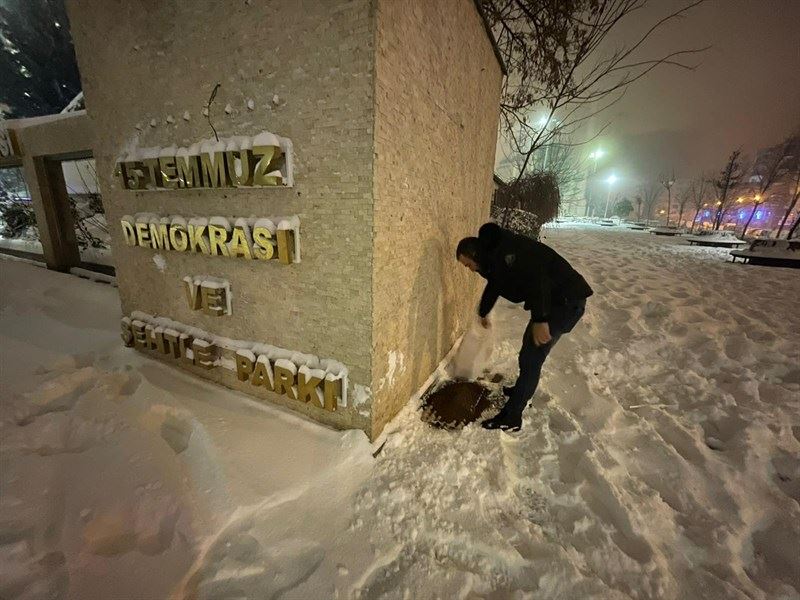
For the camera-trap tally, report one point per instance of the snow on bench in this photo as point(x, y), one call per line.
point(719, 239)
point(665, 231)
point(773, 253)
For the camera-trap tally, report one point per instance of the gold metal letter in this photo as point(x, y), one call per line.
point(172, 344)
point(196, 239)
point(263, 248)
point(217, 236)
point(213, 165)
point(126, 332)
point(263, 373)
point(128, 233)
point(135, 177)
point(188, 171)
point(270, 160)
point(245, 177)
point(333, 391)
point(307, 390)
point(156, 338)
point(214, 300)
point(203, 353)
point(159, 237)
point(284, 380)
point(143, 234)
point(286, 245)
point(139, 334)
point(239, 244)
point(244, 366)
point(169, 171)
point(185, 342)
point(192, 290)
point(119, 172)
point(153, 171)
point(178, 238)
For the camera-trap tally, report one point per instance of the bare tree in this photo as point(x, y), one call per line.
point(563, 160)
point(728, 180)
point(768, 169)
point(638, 208)
point(792, 163)
point(650, 193)
point(16, 211)
point(698, 192)
point(682, 197)
point(667, 182)
point(793, 228)
point(552, 50)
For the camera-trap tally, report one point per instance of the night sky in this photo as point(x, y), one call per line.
point(746, 91)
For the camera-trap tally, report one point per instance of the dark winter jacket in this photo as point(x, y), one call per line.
point(523, 270)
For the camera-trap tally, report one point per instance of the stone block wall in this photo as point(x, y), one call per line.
point(307, 68)
point(392, 109)
point(437, 89)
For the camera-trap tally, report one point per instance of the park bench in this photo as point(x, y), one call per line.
point(771, 253)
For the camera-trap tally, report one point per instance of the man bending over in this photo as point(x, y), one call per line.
point(523, 270)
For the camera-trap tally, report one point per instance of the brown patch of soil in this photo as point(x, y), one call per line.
point(455, 404)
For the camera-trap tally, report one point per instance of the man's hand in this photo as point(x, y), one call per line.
point(541, 334)
point(485, 322)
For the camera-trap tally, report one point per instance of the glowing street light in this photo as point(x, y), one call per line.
point(610, 180)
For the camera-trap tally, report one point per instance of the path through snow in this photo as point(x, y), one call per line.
point(660, 458)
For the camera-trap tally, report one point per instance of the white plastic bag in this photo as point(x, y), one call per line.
point(475, 350)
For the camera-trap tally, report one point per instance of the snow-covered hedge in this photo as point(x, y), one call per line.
point(517, 220)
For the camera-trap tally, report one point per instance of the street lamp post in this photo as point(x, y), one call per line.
point(610, 181)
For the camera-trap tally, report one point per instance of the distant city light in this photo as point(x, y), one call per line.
point(759, 214)
point(740, 199)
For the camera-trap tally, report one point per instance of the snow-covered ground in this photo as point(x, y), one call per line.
point(660, 459)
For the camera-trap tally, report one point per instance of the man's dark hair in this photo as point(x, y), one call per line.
point(468, 247)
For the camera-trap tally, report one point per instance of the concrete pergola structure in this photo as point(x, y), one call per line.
point(39, 145)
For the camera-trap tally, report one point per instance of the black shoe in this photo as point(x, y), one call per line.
point(503, 422)
point(508, 390)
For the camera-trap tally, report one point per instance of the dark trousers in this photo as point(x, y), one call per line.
point(532, 357)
